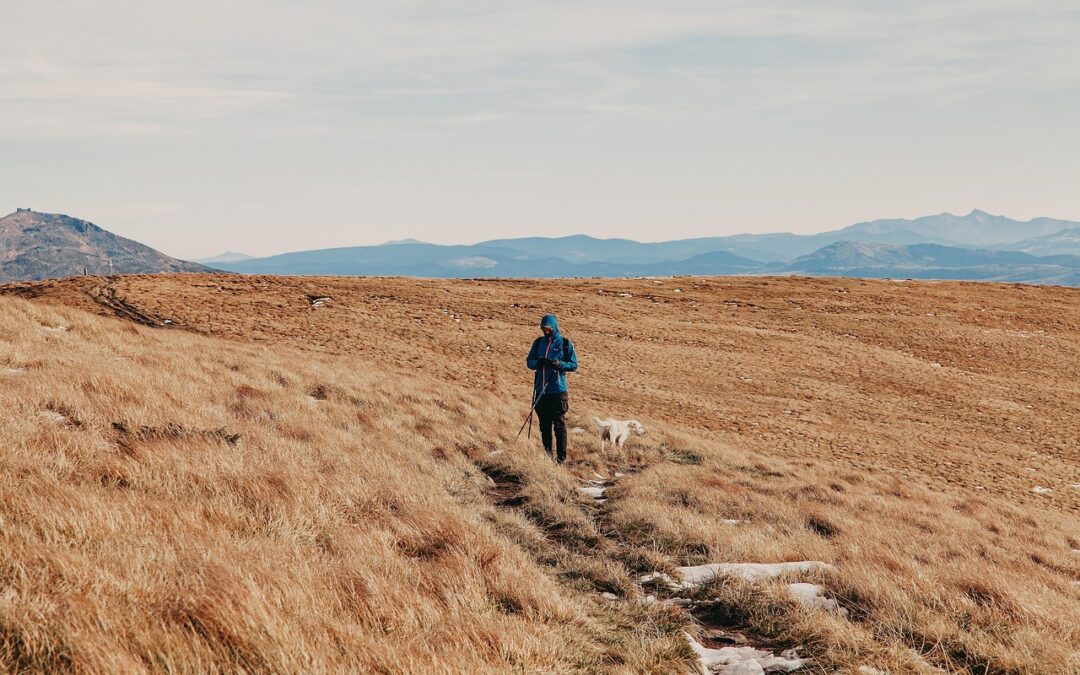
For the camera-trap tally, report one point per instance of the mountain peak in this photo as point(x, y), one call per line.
point(49, 245)
point(226, 257)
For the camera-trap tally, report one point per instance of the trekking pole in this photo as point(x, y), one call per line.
point(529, 417)
point(536, 399)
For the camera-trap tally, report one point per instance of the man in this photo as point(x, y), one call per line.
point(552, 357)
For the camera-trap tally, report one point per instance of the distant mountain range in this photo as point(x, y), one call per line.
point(44, 246)
point(933, 261)
point(976, 246)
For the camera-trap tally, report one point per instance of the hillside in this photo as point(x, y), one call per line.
point(977, 228)
point(273, 486)
point(1063, 242)
point(552, 259)
point(45, 245)
point(931, 261)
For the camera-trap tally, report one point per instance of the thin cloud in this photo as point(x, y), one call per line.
point(634, 112)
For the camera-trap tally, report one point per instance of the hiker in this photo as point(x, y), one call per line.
point(552, 357)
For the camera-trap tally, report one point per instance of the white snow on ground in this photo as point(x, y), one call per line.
point(592, 491)
point(695, 576)
point(609, 596)
point(813, 595)
point(1075, 486)
point(743, 660)
point(577, 430)
point(870, 670)
point(54, 329)
point(732, 521)
point(12, 371)
point(1040, 490)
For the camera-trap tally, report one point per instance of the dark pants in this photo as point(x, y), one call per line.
point(551, 409)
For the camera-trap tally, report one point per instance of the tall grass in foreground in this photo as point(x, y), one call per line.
point(173, 503)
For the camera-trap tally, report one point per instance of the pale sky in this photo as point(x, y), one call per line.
point(267, 126)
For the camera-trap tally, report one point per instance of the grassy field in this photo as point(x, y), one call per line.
point(260, 485)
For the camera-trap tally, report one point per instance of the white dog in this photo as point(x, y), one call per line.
point(617, 431)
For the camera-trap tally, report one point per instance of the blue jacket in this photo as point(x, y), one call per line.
point(556, 348)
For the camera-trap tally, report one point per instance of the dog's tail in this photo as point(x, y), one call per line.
point(598, 422)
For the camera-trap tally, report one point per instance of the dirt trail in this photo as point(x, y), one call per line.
point(105, 295)
point(716, 628)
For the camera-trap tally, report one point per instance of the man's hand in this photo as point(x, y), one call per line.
point(556, 364)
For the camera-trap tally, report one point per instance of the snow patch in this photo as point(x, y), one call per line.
point(1040, 490)
point(732, 521)
point(593, 491)
point(812, 595)
point(609, 596)
point(698, 575)
point(1075, 486)
point(743, 660)
point(54, 329)
point(577, 430)
point(11, 372)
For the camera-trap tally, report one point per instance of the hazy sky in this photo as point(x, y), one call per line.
point(266, 126)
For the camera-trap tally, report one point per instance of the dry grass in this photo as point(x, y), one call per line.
point(309, 494)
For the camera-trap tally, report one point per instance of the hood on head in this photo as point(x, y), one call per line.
point(550, 320)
